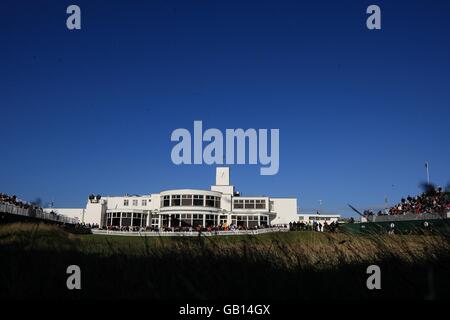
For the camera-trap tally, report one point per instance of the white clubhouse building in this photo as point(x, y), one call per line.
point(179, 208)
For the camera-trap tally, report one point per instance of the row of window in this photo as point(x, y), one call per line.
point(249, 204)
point(248, 221)
point(188, 220)
point(144, 202)
point(126, 219)
point(189, 200)
point(193, 220)
point(249, 218)
point(199, 201)
point(125, 215)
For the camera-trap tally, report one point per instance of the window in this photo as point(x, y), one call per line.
point(165, 201)
point(164, 221)
point(210, 220)
point(186, 200)
point(260, 204)
point(239, 204)
point(175, 220)
point(126, 219)
point(115, 220)
point(144, 203)
point(125, 202)
point(197, 220)
point(210, 201)
point(217, 202)
point(242, 221)
point(144, 220)
point(186, 220)
point(249, 204)
point(252, 221)
point(176, 200)
point(135, 203)
point(198, 200)
point(223, 219)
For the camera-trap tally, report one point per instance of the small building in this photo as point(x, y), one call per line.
point(178, 208)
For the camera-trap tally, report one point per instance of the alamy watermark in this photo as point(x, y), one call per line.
point(73, 22)
point(374, 280)
point(189, 149)
point(74, 279)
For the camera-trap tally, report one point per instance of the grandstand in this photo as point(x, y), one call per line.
point(14, 210)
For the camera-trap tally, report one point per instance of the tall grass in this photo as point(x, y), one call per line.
point(293, 265)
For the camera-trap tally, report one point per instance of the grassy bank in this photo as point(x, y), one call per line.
point(293, 265)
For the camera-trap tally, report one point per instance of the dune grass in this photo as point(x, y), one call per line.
point(292, 265)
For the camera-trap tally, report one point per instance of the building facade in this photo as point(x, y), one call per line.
point(185, 208)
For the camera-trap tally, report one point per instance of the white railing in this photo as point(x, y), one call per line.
point(34, 213)
point(188, 233)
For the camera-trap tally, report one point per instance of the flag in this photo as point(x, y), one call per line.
point(426, 164)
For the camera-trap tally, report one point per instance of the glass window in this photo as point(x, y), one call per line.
point(223, 219)
point(252, 221)
point(175, 220)
point(185, 220)
point(198, 200)
point(135, 203)
point(176, 200)
point(125, 202)
point(249, 204)
point(186, 200)
point(165, 221)
point(126, 219)
point(210, 201)
point(144, 220)
point(197, 220)
point(165, 201)
point(239, 204)
point(260, 204)
point(217, 202)
point(242, 221)
point(144, 203)
point(116, 222)
point(210, 220)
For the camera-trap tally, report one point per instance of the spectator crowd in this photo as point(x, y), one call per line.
point(314, 226)
point(14, 201)
point(431, 201)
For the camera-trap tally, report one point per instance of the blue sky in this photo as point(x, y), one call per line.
point(91, 111)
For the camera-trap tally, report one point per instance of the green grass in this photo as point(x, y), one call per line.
point(292, 265)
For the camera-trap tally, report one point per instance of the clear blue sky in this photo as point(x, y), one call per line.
point(91, 111)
